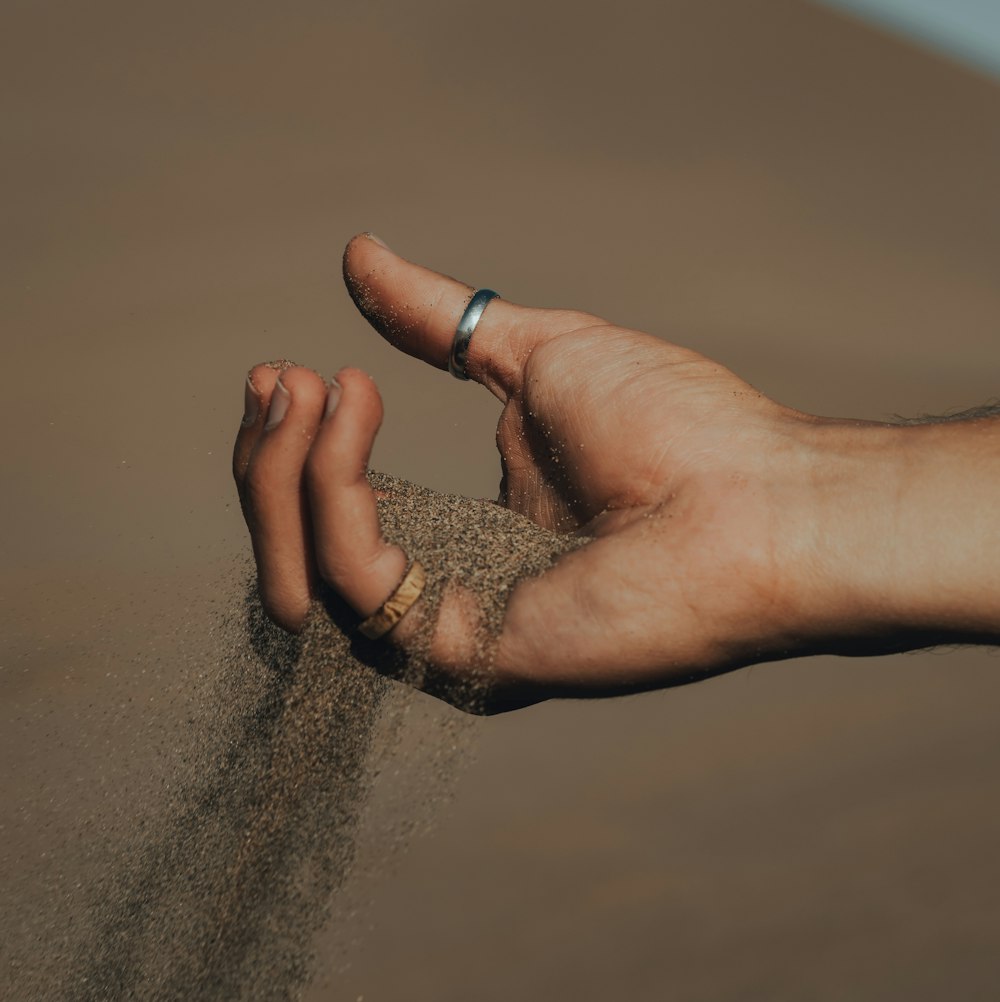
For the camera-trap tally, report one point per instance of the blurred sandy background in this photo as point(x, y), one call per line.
point(804, 198)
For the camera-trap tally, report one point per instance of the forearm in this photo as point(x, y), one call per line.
point(909, 536)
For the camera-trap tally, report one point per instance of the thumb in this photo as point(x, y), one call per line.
point(418, 310)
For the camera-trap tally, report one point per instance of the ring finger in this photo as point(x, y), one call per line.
point(351, 553)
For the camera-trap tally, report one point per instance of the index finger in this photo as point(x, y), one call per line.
point(418, 311)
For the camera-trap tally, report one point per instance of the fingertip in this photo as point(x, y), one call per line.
point(359, 263)
point(306, 385)
point(262, 378)
point(351, 372)
point(344, 442)
point(417, 310)
point(359, 394)
point(258, 388)
point(363, 245)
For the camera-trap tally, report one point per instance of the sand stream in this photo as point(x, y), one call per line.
point(217, 888)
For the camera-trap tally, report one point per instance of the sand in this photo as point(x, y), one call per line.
point(470, 548)
point(219, 889)
point(807, 200)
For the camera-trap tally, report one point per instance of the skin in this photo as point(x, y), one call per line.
point(730, 529)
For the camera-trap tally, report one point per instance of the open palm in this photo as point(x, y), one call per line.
point(683, 473)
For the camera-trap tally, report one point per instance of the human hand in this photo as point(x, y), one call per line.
point(727, 529)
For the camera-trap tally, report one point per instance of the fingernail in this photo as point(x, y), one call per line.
point(280, 399)
point(251, 404)
point(332, 398)
point(378, 240)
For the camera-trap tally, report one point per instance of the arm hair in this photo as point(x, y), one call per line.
point(991, 409)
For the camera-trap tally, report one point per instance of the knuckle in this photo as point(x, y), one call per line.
point(333, 569)
point(287, 614)
point(240, 462)
point(265, 475)
point(255, 495)
point(575, 320)
point(438, 313)
point(345, 570)
point(324, 466)
point(284, 595)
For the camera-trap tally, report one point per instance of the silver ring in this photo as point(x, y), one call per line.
point(466, 328)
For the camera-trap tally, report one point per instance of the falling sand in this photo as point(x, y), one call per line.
point(219, 890)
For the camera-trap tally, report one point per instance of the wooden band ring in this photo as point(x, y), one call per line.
point(397, 605)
